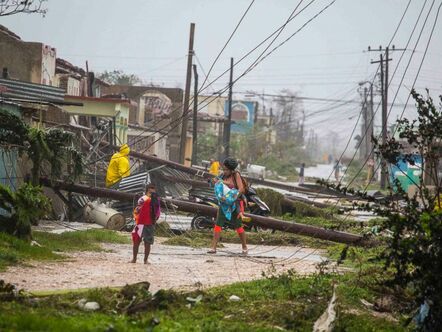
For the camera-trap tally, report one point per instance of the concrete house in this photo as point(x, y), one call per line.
point(149, 123)
point(26, 61)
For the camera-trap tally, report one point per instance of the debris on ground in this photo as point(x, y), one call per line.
point(234, 298)
point(325, 323)
point(91, 306)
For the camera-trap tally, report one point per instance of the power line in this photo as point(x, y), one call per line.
point(269, 53)
point(372, 117)
point(227, 42)
point(409, 61)
point(225, 88)
point(213, 64)
point(251, 51)
point(417, 42)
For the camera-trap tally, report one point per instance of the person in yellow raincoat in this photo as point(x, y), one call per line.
point(119, 166)
point(214, 167)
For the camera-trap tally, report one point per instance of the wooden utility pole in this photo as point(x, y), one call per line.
point(384, 115)
point(185, 114)
point(195, 117)
point(384, 96)
point(227, 126)
point(363, 144)
point(371, 122)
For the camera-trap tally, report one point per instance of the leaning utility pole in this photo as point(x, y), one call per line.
point(185, 114)
point(384, 96)
point(195, 117)
point(227, 126)
point(363, 144)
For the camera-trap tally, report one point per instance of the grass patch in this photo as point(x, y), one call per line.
point(284, 302)
point(88, 240)
point(201, 239)
point(14, 250)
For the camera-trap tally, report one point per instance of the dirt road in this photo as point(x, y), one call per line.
point(171, 267)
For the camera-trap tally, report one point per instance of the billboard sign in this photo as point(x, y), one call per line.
point(243, 115)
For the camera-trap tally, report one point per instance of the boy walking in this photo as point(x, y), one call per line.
point(146, 215)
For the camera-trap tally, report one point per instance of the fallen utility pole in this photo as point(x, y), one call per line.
point(185, 206)
point(206, 175)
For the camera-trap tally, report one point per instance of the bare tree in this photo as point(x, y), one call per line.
point(118, 77)
point(290, 117)
point(12, 7)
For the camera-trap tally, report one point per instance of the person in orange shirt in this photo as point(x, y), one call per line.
point(146, 215)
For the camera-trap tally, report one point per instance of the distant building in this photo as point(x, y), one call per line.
point(211, 107)
point(26, 61)
point(154, 124)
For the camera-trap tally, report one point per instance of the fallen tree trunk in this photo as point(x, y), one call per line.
point(187, 206)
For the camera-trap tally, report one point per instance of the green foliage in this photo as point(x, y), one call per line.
point(273, 199)
point(24, 208)
point(306, 210)
point(53, 147)
point(413, 250)
point(276, 302)
point(12, 130)
point(207, 146)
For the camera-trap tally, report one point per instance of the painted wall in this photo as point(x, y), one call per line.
point(100, 107)
point(152, 104)
point(407, 174)
point(48, 65)
point(143, 141)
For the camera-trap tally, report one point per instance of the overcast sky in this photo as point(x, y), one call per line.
point(326, 59)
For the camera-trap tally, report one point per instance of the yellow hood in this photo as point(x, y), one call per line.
point(124, 150)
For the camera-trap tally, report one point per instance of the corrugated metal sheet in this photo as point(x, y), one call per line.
point(135, 183)
point(31, 91)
